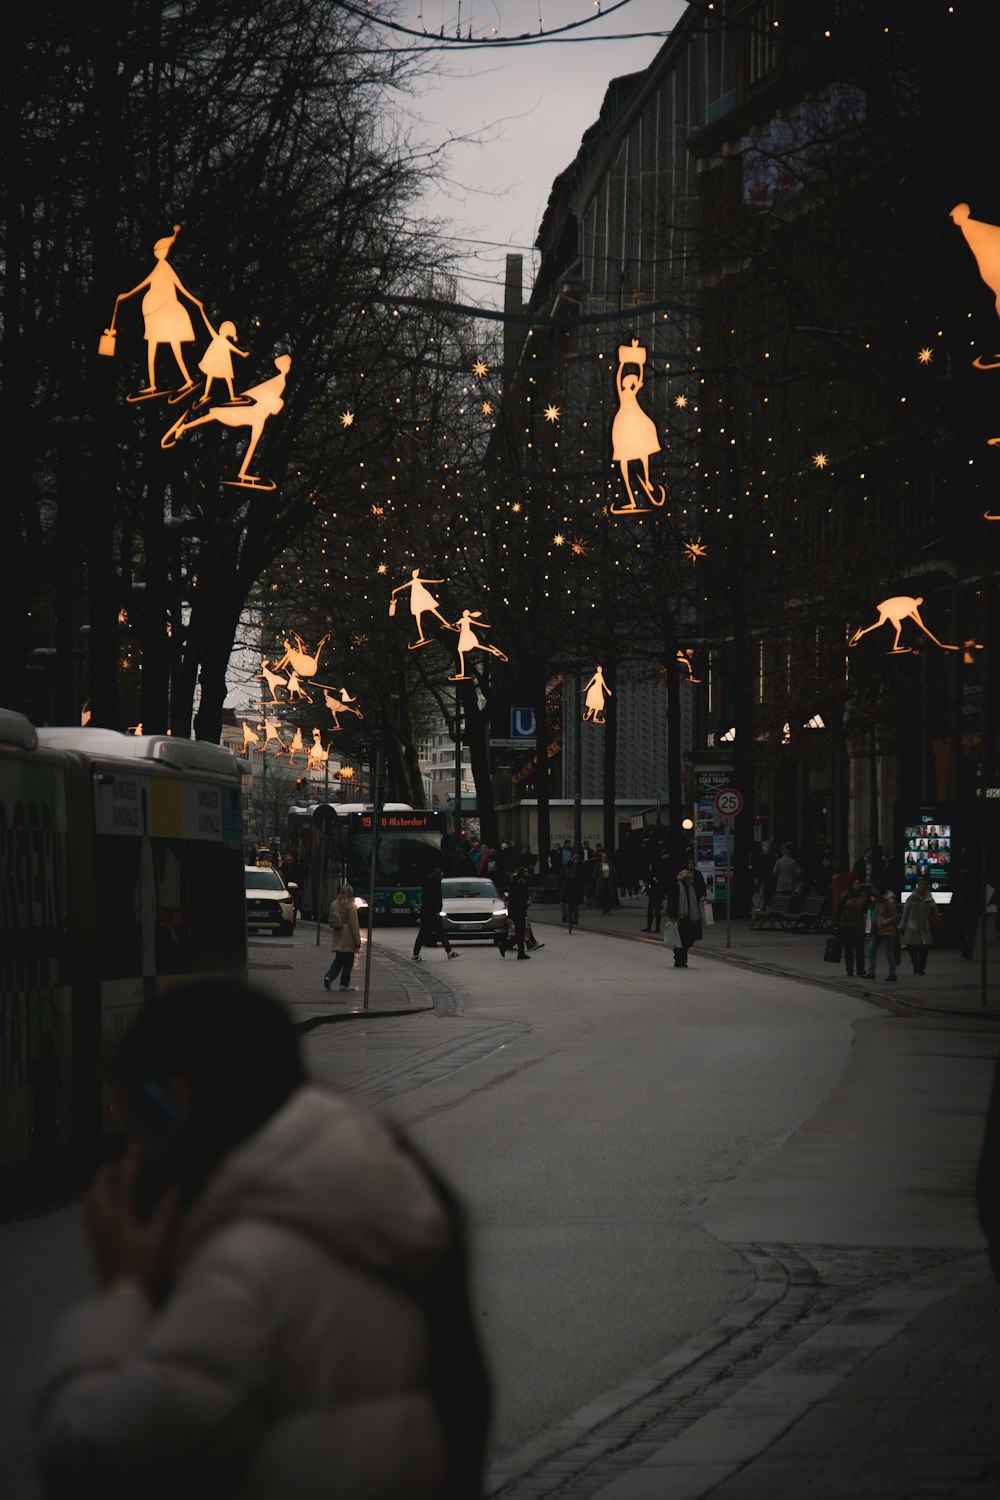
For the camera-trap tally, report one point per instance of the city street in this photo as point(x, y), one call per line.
point(677, 1182)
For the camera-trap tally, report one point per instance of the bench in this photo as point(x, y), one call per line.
point(773, 916)
point(812, 917)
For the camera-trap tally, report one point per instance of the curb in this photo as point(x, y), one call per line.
point(437, 995)
point(739, 1427)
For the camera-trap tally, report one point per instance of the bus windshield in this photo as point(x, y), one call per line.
point(404, 859)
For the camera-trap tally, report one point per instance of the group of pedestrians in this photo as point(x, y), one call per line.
point(869, 919)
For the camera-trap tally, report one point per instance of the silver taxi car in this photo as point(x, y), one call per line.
point(270, 903)
point(472, 908)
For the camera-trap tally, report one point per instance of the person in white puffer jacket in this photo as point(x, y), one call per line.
point(282, 1307)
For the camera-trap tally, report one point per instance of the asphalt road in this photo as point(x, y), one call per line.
point(623, 1135)
point(584, 1145)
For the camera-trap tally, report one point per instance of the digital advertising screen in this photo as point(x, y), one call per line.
point(927, 851)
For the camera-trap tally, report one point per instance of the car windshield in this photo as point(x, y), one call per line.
point(480, 890)
point(264, 880)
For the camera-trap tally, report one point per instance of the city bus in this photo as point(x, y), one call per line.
point(121, 875)
point(411, 842)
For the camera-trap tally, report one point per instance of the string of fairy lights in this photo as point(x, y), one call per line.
point(553, 430)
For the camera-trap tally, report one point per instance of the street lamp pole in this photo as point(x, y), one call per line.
point(577, 772)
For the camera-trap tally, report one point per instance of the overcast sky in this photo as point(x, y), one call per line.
point(531, 105)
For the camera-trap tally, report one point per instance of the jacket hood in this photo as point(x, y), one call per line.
point(330, 1170)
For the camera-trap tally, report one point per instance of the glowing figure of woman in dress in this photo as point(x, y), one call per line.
point(469, 641)
point(633, 434)
point(422, 602)
point(166, 319)
point(596, 690)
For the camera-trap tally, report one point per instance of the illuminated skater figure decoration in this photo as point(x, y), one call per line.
point(250, 737)
point(274, 681)
point(295, 688)
point(342, 705)
point(167, 320)
point(597, 691)
point(252, 410)
point(294, 746)
point(318, 753)
point(633, 434)
point(217, 363)
point(272, 731)
point(422, 602)
point(895, 611)
point(299, 661)
point(685, 659)
point(984, 242)
point(469, 641)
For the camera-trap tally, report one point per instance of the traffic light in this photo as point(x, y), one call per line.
point(300, 781)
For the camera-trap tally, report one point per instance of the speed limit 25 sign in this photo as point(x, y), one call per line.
point(728, 802)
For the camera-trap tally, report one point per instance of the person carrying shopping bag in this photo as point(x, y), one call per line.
point(682, 906)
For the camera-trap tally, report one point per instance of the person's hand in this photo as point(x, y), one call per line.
point(126, 1252)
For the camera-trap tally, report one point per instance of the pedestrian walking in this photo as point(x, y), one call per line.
point(966, 906)
point(787, 874)
point(517, 914)
point(605, 889)
point(849, 925)
point(917, 923)
point(431, 929)
point(682, 905)
point(345, 938)
point(883, 933)
point(864, 868)
point(654, 900)
point(282, 1305)
point(572, 884)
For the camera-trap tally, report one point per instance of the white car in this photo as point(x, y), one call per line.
point(270, 903)
point(472, 908)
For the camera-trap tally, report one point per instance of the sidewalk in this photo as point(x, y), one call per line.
point(951, 985)
point(852, 1371)
point(295, 967)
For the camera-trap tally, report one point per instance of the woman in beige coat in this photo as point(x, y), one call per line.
point(917, 922)
point(345, 935)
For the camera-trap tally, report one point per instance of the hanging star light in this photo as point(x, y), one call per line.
point(579, 547)
point(559, 540)
point(925, 356)
point(378, 510)
point(681, 402)
point(820, 460)
point(516, 507)
point(382, 568)
point(347, 419)
point(894, 611)
point(487, 408)
point(552, 414)
point(480, 369)
point(695, 548)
